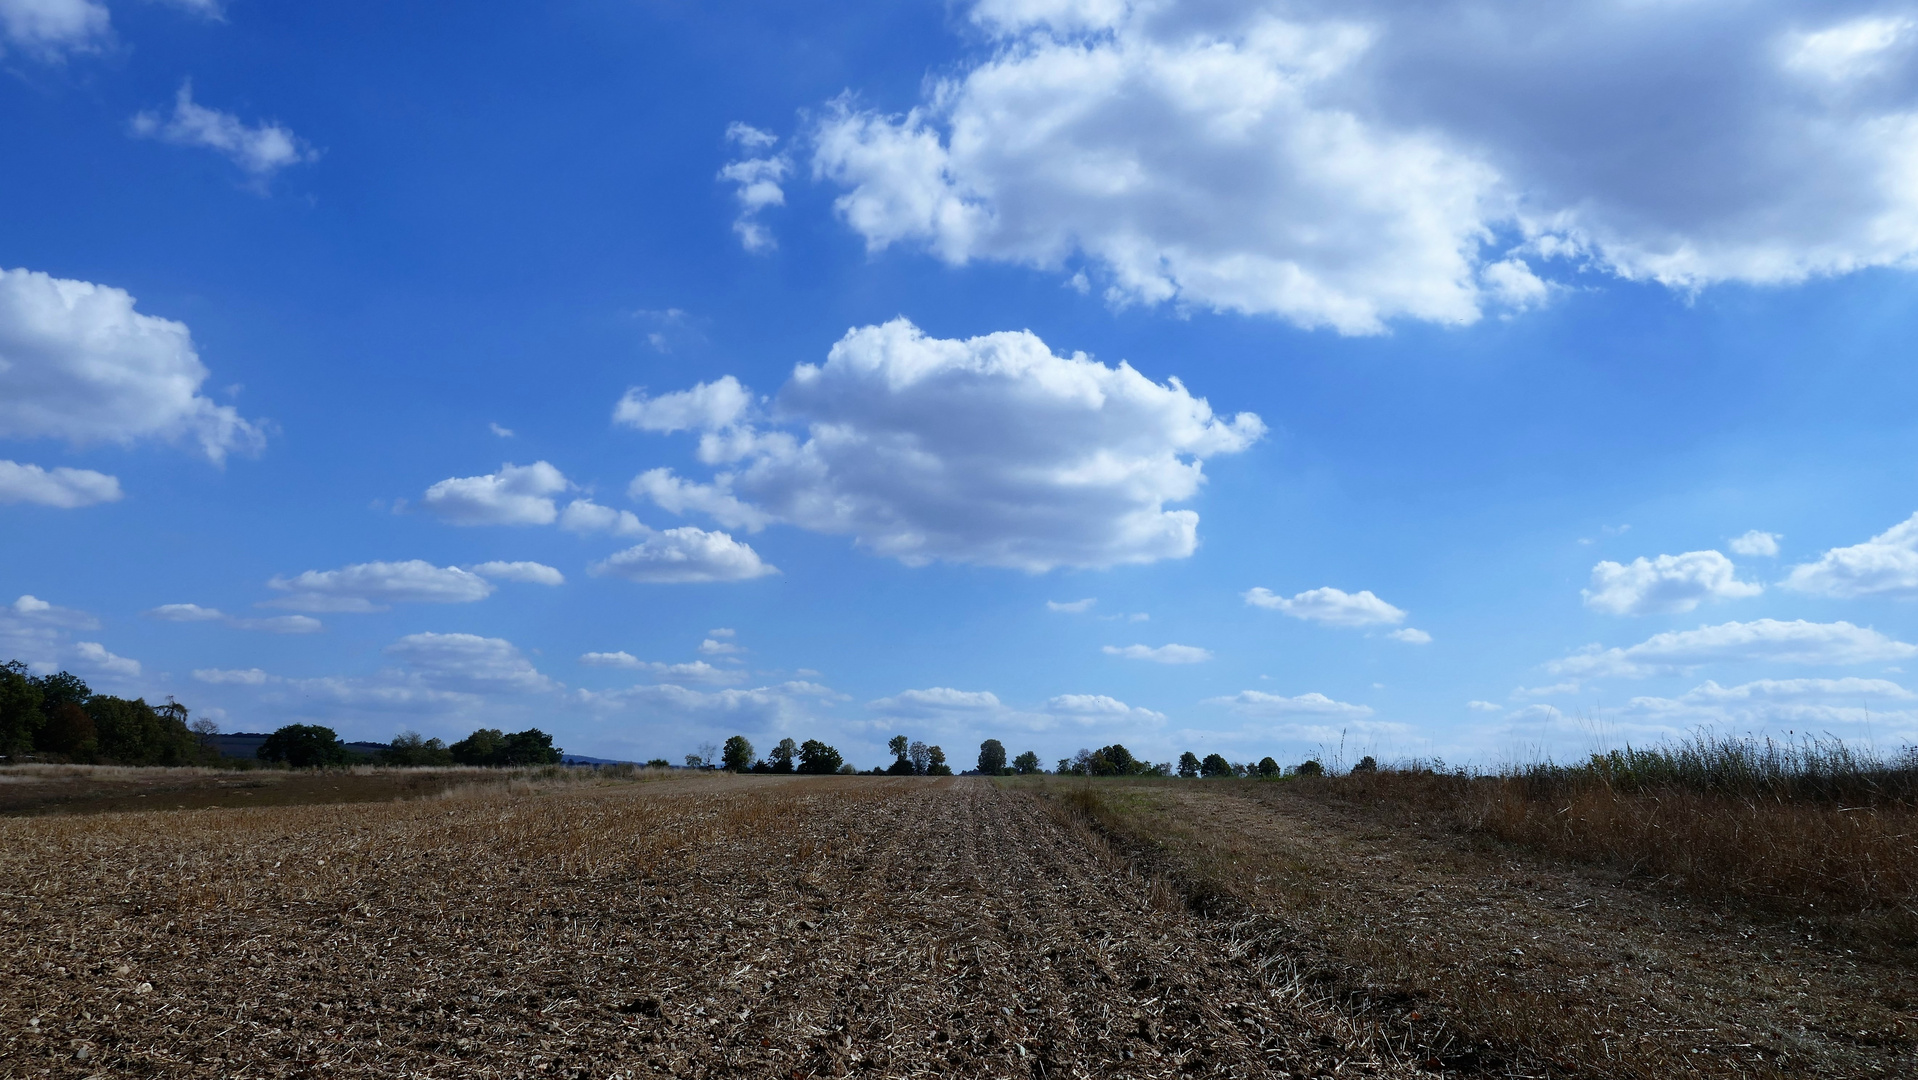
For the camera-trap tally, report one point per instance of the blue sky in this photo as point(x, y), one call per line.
point(653, 372)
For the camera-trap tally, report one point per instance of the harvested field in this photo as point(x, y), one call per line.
point(1544, 968)
point(704, 926)
point(95, 789)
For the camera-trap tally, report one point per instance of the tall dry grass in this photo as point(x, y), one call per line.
point(1807, 824)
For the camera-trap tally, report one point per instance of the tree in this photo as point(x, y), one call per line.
point(69, 732)
point(1367, 764)
point(411, 748)
point(659, 763)
point(204, 730)
point(1269, 767)
point(482, 747)
point(1309, 768)
point(936, 762)
point(817, 758)
point(992, 757)
point(1065, 767)
point(1215, 765)
point(738, 755)
point(21, 715)
point(303, 746)
point(1026, 764)
point(1114, 760)
point(134, 733)
point(1188, 764)
point(783, 755)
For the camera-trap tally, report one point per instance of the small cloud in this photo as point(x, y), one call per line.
point(502, 432)
point(531, 573)
point(259, 149)
point(723, 631)
point(95, 655)
point(1164, 654)
point(1519, 693)
point(711, 647)
point(1484, 706)
point(60, 488)
point(1411, 636)
point(757, 180)
point(1332, 607)
point(1074, 606)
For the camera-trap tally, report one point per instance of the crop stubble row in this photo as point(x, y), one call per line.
point(809, 927)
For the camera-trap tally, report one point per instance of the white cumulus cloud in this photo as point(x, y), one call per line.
point(60, 488)
point(685, 555)
point(990, 450)
point(1759, 641)
point(94, 655)
point(1754, 542)
point(936, 701)
point(468, 663)
point(277, 624)
point(587, 516)
point(1885, 565)
point(1666, 585)
point(1800, 704)
point(1163, 654)
point(698, 671)
point(78, 363)
point(1411, 636)
point(530, 573)
point(1344, 163)
point(260, 150)
point(373, 586)
point(515, 495)
point(1333, 607)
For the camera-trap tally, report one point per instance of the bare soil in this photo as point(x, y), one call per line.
point(698, 927)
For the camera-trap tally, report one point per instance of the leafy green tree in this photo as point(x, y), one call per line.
point(992, 757)
point(21, 715)
point(1367, 764)
point(936, 762)
point(738, 755)
point(901, 749)
point(1114, 760)
point(1066, 767)
point(482, 747)
point(1309, 768)
point(413, 749)
point(783, 755)
point(530, 747)
point(817, 758)
point(135, 733)
point(69, 732)
point(1269, 767)
point(303, 746)
point(1026, 764)
point(1188, 764)
point(1215, 765)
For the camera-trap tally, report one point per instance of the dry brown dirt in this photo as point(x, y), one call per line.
point(699, 927)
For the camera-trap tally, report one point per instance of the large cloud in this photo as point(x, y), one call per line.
point(778, 707)
point(1667, 585)
point(1862, 705)
point(468, 663)
point(64, 489)
point(1759, 641)
point(1346, 163)
point(77, 362)
point(1885, 565)
point(990, 450)
point(372, 586)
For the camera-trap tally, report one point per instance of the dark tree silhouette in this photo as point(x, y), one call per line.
point(1269, 767)
point(817, 758)
point(936, 762)
point(1188, 764)
point(1310, 768)
point(412, 748)
point(1026, 764)
point(992, 757)
point(783, 755)
point(303, 746)
point(738, 754)
point(1215, 765)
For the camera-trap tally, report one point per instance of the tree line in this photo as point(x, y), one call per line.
point(58, 717)
point(307, 746)
point(914, 758)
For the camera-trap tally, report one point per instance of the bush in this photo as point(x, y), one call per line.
point(659, 763)
point(992, 757)
point(816, 758)
point(1026, 764)
point(1269, 767)
point(1367, 764)
point(1309, 768)
point(303, 746)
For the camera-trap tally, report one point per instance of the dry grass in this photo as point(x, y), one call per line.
point(702, 926)
point(1484, 958)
